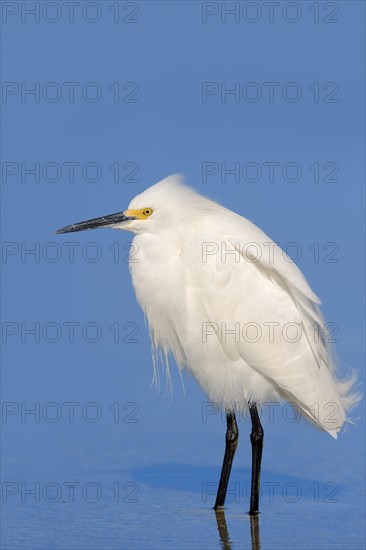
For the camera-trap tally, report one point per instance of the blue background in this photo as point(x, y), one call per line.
point(172, 452)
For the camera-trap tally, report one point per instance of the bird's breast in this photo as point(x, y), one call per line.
point(157, 271)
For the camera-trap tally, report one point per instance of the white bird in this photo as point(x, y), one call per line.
point(233, 310)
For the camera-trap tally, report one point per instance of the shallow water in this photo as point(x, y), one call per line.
point(148, 480)
point(170, 506)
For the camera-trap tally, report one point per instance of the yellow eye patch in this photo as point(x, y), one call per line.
point(141, 214)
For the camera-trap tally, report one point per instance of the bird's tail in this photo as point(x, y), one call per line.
point(336, 393)
point(330, 413)
point(350, 396)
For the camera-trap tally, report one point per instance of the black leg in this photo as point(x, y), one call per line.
point(256, 439)
point(232, 435)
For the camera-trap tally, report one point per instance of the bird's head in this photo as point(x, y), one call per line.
point(155, 209)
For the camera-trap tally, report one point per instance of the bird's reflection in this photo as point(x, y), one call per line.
point(222, 527)
point(255, 533)
point(224, 533)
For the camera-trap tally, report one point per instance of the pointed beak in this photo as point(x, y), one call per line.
point(104, 221)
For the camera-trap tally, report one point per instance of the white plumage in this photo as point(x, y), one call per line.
point(232, 308)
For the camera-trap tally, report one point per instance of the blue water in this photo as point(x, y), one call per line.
point(162, 507)
point(111, 462)
point(153, 486)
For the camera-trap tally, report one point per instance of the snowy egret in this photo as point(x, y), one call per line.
point(233, 310)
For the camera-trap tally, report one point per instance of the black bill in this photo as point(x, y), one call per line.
point(104, 221)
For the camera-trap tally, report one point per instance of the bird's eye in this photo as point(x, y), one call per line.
point(147, 212)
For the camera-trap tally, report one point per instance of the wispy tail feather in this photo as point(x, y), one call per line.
point(349, 395)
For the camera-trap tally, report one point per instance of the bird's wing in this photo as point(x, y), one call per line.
point(245, 283)
point(256, 249)
point(272, 262)
point(268, 255)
